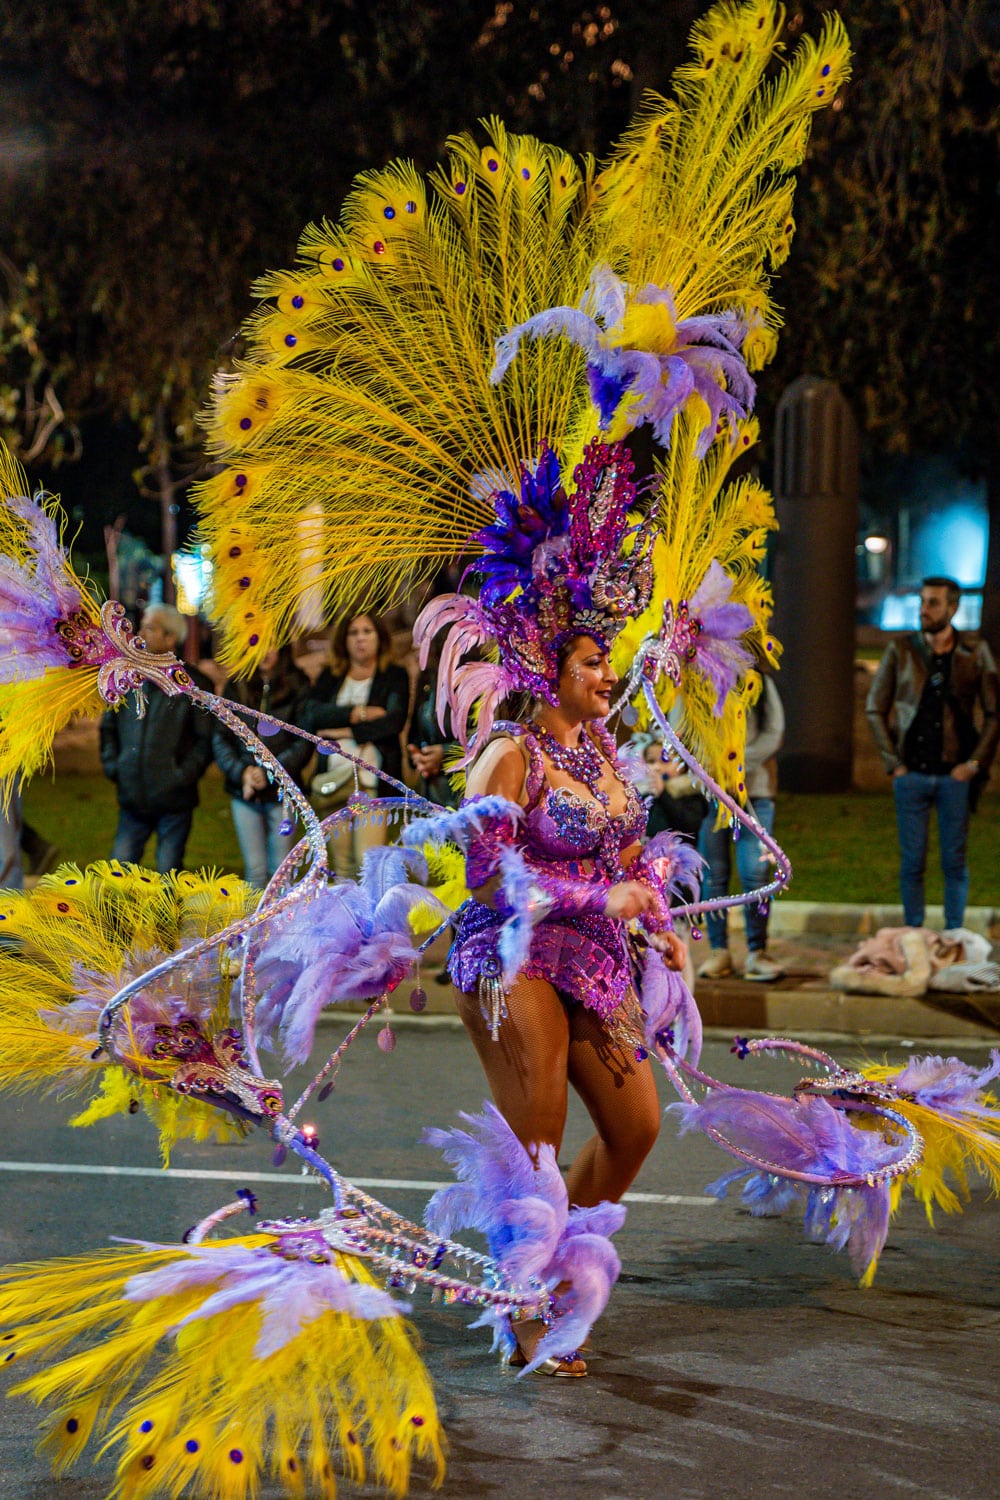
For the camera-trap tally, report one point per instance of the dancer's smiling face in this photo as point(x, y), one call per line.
point(586, 680)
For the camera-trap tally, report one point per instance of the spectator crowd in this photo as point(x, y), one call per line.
point(932, 707)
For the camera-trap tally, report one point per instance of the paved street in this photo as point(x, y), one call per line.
point(734, 1360)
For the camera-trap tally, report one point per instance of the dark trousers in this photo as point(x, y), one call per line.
point(135, 829)
point(916, 794)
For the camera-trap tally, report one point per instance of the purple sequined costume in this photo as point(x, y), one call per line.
point(571, 839)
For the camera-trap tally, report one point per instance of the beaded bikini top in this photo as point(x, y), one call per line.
point(561, 824)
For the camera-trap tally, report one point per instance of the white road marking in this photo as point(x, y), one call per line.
point(417, 1184)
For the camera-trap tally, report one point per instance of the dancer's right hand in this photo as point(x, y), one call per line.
point(629, 898)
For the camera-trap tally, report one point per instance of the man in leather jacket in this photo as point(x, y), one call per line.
point(157, 761)
point(922, 708)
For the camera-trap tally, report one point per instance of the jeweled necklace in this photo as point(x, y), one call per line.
point(584, 762)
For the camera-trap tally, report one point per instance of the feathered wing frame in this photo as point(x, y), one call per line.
point(705, 518)
point(362, 430)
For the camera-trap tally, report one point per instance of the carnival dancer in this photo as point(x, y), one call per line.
point(416, 389)
point(560, 830)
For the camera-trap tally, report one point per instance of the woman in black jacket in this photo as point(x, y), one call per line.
point(362, 700)
point(278, 688)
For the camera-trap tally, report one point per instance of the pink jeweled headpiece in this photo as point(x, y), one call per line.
point(554, 566)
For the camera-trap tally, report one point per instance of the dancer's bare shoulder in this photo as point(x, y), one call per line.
point(500, 771)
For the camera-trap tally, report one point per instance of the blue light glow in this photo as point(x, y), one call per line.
point(902, 612)
point(951, 537)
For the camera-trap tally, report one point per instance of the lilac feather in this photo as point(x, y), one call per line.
point(162, 1002)
point(460, 825)
point(706, 357)
point(34, 597)
point(291, 1293)
point(388, 866)
point(571, 322)
point(351, 942)
point(720, 655)
point(712, 595)
point(855, 1219)
point(669, 1006)
point(804, 1135)
point(764, 1194)
point(945, 1083)
point(851, 1218)
point(676, 862)
point(801, 1135)
point(605, 296)
point(522, 896)
point(590, 1263)
point(521, 1205)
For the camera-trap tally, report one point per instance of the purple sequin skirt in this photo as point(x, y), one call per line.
point(586, 958)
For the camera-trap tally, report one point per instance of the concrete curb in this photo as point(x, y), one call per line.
point(836, 919)
point(784, 1009)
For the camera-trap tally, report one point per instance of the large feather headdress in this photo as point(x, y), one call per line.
point(431, 344)
point(554, 566)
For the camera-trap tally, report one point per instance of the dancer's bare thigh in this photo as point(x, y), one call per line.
point(526, 1067)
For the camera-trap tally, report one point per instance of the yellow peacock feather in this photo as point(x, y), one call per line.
point(363, 431)
point(77, 938)
point(40, 691)
point(197, 1400)
point(702, 518)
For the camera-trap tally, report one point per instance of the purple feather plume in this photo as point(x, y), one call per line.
point(520, 1204)
point(460, 825)
point(719, 653)
point(669, 1008)
point(676, 862)
point(290, 1293)
point(352, 942)
point(809, 1136)
point(33, 599)
point(946, 1084)
point(527, 906)
point(706, 358)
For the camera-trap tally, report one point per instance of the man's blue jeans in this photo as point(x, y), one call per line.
point(135, 829)
point(11, 866)
point(752, 865)
point(916, 793)
point(262, 845)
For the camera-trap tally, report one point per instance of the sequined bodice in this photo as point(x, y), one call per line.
point(561, 826)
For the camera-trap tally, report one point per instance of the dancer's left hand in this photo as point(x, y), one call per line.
point(673, 948)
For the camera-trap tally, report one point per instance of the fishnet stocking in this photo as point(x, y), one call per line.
point(545, 1044)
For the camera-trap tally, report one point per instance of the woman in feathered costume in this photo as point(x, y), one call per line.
point(544, 967)
point(483, 342)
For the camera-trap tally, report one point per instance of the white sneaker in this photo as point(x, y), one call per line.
point(717, 965)
point(761, 967)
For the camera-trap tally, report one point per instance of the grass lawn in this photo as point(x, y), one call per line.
point(79, 814)
point(842, 847)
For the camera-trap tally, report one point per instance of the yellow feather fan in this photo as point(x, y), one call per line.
point(73, 942)
point(363, 427)
point(701, 518)
point(209, 1405)
point(697, 195)
point(37, 572)
point(956, 1143)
